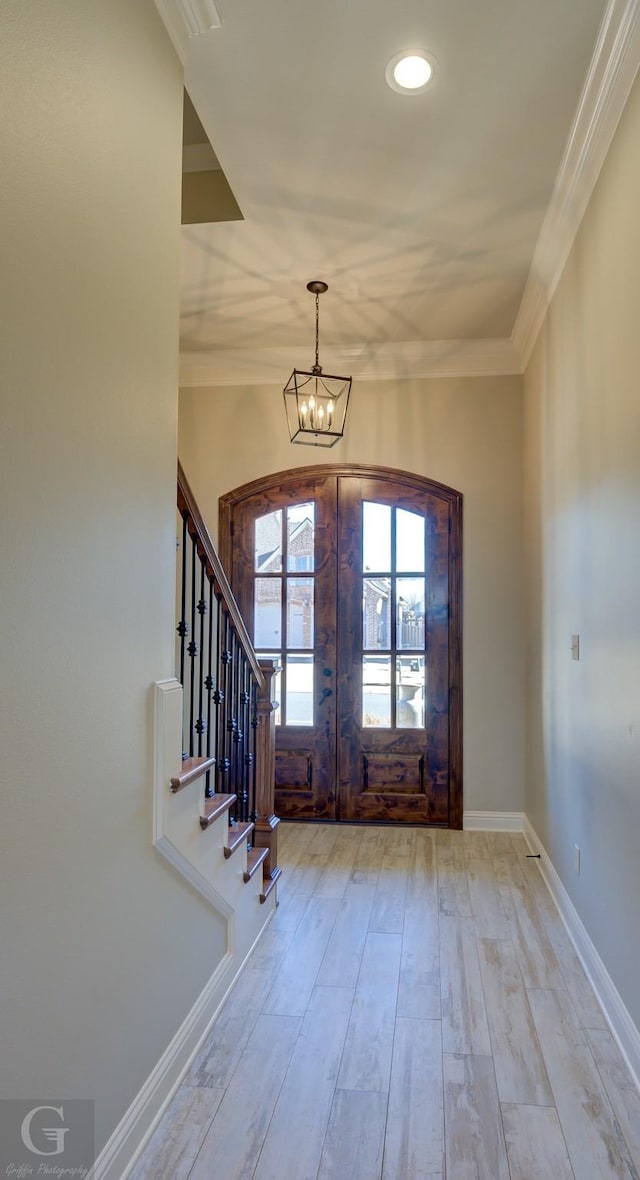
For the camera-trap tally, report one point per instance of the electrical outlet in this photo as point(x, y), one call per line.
point(576, 859)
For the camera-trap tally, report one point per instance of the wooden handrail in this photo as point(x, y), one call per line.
point(215, 569)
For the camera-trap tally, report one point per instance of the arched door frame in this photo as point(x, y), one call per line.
point(453, 498)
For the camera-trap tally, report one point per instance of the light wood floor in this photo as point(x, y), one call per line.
point(414, 1011)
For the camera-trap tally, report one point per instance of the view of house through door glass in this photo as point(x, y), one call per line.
point(350, 581)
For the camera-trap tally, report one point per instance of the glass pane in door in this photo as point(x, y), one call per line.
point(409, 541)
point(376, 537)
point(299, 612)
point(268, 543)
point(410, 692)
point(376, 613)
point(300, 537)
point(410, 613)
point(267, 613)
point(376, 692)
point(299, 705)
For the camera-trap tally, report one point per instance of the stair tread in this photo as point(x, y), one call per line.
point(270, 884)
point(191, 769)
point(215, 807)
point(237, 836)
point(254, 859)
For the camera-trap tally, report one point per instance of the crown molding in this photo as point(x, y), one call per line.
point(184, 19)
point(613, 68)
point(390, 362)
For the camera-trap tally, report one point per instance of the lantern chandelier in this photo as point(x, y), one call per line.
point(315, 402)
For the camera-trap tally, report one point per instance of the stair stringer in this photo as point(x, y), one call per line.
point(199, 856)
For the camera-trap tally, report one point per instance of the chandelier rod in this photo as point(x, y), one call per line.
point(317, 288)
point(317, 367)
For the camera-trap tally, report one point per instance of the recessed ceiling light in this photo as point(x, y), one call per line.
point(411, 71)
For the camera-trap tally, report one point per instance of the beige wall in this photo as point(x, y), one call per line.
point(104, 949)
point(463, 432)
point(582, 502)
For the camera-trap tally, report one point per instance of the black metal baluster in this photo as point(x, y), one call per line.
point(253, 762)
point(183, 626)
point(237, 786)
point(209, 685)
point(225, 764)
point(201, 724)
point(239, 733)
point(245, 730)
point(231, 728)
point(232, 724)
point(192, 649)
point(218, 695)
point(236, 729)
point(219, 698)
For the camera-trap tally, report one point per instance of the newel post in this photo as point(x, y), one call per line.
point(266, 828)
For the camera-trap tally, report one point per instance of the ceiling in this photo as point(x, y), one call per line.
point(422, 213)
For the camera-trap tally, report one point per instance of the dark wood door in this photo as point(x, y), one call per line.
point(394, 649)
point(350, 577)
point(283, 574)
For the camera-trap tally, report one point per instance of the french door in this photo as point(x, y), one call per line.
point(350, 578)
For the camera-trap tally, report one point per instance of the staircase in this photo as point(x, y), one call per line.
point(234, 836)
point(215, 747)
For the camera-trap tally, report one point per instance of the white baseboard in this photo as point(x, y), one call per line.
point(622, 1026)
point(493, 821)
point(140, 1121)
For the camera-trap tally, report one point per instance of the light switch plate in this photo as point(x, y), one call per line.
point(575, 647)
